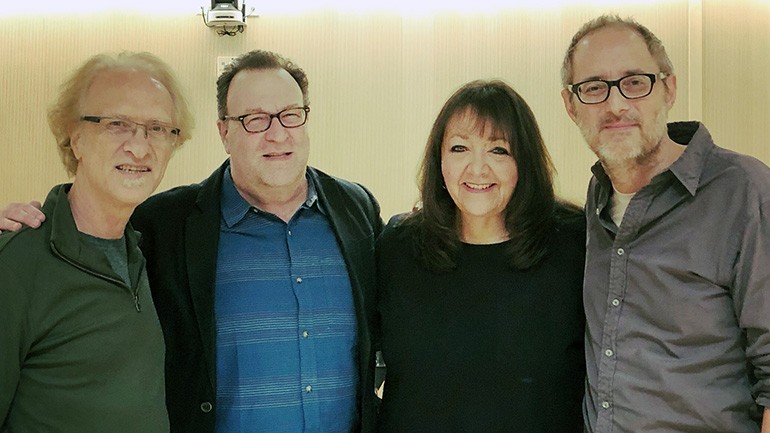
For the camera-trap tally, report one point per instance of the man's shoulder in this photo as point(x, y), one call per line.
point(15, 242)
point(339, 191)
point(20, 250)
point(29, 239)
point(327, 181)
point(347, 201)
point(739, 170)
point(748, 163)
point(172, 198)
point(165, 210)
point(179, 198)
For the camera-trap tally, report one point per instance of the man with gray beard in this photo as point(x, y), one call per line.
point(677, 282)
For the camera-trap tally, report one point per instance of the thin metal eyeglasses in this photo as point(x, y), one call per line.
point(260, 122)
point(633, 86)
point(123, 129)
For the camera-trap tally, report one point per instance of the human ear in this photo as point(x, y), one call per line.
point(222, 127)
point(670, 90)
point(569, 104)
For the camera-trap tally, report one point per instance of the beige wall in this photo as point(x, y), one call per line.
point(378, 80)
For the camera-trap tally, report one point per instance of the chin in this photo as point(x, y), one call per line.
point(617, 157)
point(286, 179)
point(135, 194)
point(470, 212)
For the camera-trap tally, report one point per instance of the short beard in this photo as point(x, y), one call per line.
point(642, 154)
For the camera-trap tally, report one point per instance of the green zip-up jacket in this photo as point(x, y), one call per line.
point(80, 351)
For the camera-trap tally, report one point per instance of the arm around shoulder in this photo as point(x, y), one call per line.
point(13, 216)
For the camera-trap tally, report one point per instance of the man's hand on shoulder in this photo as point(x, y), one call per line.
point(13, 216)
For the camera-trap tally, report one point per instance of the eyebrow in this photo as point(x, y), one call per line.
point(262, 110)
point(492, 139)
point(625, 73)
point(146, 120)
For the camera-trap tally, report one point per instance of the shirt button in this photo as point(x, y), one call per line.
point(308, 388)
point(305, 334)
point(615, 302)
point(299, 280)
point(289, 232)
point(608, 352)
point(621, 251)
point(605, 404)
point(206, 407)
point(598, 211)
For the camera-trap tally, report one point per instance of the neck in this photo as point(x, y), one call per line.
point(95, 218)
point(483, 231)
point(632, 175)
point(282, 202)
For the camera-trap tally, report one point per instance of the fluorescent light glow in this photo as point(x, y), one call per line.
point(423, 7)
point(79, 7)
point(407, 7)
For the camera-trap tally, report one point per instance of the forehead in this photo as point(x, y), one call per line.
point(467, 122)
point(262, 89)
point(128, 93)
point(610, 53)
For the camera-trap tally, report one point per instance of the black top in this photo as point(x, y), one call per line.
point(483, 348)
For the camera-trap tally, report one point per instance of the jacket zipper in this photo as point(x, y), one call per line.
point(135, 293)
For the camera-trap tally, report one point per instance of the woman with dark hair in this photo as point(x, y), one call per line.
point(480, 286)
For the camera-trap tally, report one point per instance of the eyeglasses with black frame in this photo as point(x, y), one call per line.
point(123, 129)
point(633, 86)
point(293, 117)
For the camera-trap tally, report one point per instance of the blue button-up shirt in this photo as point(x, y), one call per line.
point(285, 322)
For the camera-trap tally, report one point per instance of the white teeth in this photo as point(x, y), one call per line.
point(478, 186)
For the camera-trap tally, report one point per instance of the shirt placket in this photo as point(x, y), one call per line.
point(618, 283)
point(307, 352)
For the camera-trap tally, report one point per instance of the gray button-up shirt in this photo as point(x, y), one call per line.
point(677, 298)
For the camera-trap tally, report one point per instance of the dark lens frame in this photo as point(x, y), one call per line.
point(305, 109)
point(575, 88)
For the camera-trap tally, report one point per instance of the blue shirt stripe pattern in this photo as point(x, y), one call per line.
point(285, 322)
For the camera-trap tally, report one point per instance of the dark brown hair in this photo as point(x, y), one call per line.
point(528, 215)
point(258, 59)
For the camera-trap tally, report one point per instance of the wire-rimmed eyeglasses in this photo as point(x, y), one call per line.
point(123, 129)
point(633, 86)
point(259, 122)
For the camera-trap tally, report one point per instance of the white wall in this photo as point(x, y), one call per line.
point(378, 78)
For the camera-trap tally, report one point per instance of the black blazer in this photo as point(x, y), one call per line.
point(180, 229)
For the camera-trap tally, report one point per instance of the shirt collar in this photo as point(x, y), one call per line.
point(690, 165)
point(235, 207)
point(687, 169)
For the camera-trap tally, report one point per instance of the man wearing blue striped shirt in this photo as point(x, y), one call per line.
point(263, 274)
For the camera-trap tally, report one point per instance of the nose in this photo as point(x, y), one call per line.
point(616, 102)
point(275, 131)
point(138, 144)
point(478, 164)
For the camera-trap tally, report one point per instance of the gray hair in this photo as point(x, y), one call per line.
point(654, 45)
